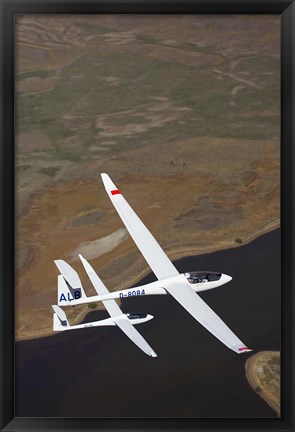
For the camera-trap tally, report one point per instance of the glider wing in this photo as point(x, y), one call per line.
point(145, 241)
point(199, 310)
point(115, 312)
point(134, 335)
point(110, 305)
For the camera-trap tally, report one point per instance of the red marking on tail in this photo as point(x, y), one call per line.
point(115, 192)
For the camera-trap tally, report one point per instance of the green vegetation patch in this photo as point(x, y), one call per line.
point(49, 171)
point(34, 74)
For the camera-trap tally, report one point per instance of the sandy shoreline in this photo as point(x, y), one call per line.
point(263, 374)
point(173, 254)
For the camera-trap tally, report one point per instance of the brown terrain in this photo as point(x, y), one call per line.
point(181, 111)
point(263, 374)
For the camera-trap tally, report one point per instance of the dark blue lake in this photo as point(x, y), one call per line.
point(100, 373)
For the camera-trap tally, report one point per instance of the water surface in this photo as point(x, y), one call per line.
point(101, 373)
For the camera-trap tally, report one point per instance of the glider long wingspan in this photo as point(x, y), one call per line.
point(199, 310)
point(127, 328)
point(115, 312)
point(110, 305)
point(163, 268)
point(145, 241)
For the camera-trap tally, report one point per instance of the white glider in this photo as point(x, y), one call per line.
point(182, 287)
point(124, 321)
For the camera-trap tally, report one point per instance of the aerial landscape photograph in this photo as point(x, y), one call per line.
point(147, 191)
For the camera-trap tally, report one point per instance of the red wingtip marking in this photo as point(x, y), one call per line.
point(115, 192)
point(244, 349)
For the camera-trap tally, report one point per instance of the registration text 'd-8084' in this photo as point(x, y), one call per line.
point(132, 293)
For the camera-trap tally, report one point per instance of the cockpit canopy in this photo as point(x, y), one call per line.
point(201, 277)
point(136, 315)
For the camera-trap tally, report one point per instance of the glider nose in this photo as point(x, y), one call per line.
point(226, 278)
point(149, 317)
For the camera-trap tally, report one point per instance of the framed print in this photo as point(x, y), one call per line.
point(147, 178)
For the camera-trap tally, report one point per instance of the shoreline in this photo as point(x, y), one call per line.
point(174, 255)
point(191, 251)
point(263, 375)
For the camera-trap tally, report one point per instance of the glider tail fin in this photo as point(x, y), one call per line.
point(60, 321)
point(70, 289)
point(66, 295)
point(63, 293)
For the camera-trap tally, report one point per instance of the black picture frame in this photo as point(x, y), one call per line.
point(10, 8)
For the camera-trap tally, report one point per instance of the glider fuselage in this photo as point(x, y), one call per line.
point(134, 318)
point(198, 281)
